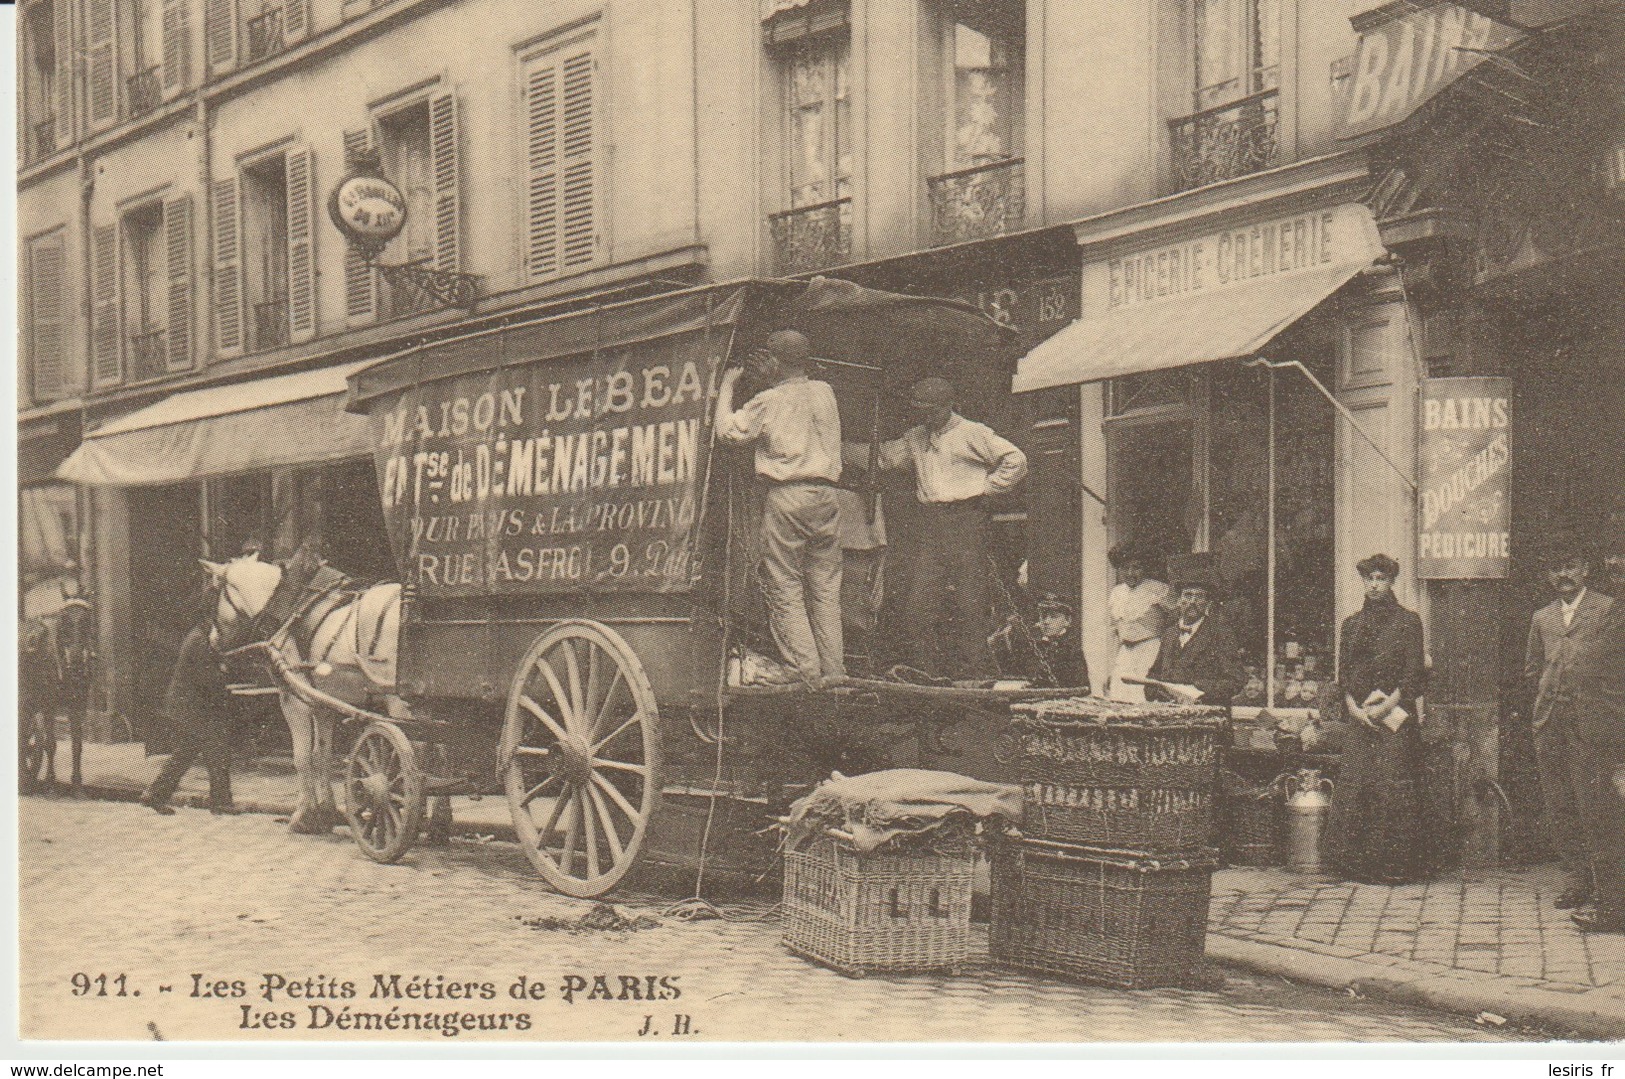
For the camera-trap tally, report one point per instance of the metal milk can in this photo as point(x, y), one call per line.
point(1308, 800)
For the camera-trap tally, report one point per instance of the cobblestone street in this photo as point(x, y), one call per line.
point(109, 888)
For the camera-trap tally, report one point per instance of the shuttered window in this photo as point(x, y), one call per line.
point(562, 185)
point(101, 59)
point(220, 34)
point(177, 45)
point(360, 279)
point(179, 312)
point(47, 306)
point(107, 365)
point(301, 218)
point(228, 279)
point(444, 139)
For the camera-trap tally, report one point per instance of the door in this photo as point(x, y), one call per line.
point(166, 586)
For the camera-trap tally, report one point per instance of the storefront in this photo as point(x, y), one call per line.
point(1244, 378)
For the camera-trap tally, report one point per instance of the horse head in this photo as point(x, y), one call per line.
point(241, 588)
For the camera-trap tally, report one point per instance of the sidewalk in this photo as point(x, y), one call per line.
point(1472, 941)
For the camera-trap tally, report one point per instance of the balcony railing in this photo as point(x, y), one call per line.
point(1226, 141)
point(270, 324)
point(812, 237)
point(143, 92)
point(970, 204)
point(148, 356)
point(265, 34)
point(43, 143)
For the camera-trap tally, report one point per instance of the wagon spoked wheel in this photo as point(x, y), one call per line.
point(383, 792)
point(581, 756)
point(33, 745)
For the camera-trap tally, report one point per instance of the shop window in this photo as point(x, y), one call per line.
point(45, 311)
point(563, 158)
point(239, 509)
point(982, 190)
point(814, 69)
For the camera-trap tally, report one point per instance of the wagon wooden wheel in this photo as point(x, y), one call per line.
point(580, 756)
point(383, 792)
point(33, 747)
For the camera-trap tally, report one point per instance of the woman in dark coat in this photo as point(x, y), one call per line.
point(1376, 830)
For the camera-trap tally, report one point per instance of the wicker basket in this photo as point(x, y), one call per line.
point(1139, 779)
point(886, 910)
point(1108, 917)
point(1251, 829)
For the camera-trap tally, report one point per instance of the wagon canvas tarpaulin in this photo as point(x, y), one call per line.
point(525, 471)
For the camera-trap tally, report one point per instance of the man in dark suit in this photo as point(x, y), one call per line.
point(1198, 649)
point(1555, 633)
point(1599, 706)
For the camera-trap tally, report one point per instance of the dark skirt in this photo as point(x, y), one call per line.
point(1375, 833)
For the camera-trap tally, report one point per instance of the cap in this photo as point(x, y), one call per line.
point(1051, 602)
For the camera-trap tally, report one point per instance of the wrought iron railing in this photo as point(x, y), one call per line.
point(43, 143)
point(270, 324)
point(1226, 141)
point(973, 203)
point(143, 92)
point(265, 34)
point(812, 237)
point(149, 357)
point(406, 295)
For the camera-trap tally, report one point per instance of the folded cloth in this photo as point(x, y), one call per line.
point(876, 808)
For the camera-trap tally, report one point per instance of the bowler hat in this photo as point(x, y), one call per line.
point(1199, 570)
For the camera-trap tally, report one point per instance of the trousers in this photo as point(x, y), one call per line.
point(1558, 759)
point(947, 603)
point(800, 571)
point(215, 752)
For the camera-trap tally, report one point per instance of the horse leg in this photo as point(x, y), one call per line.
point(76, 732)
point(322, 769)
point(47, 737)
point(301, 720)
point(437, 829)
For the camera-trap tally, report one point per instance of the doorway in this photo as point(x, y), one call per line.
point(166, 589)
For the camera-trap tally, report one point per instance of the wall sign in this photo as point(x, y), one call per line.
point(368, 209)
point(575, 475)
point(1465, 451)
point(1403, 63)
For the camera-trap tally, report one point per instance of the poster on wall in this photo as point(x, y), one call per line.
point(1465, 455)
point(580, 474)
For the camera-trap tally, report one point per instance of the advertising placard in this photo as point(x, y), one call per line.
point(579, 474)
point(1465, 451)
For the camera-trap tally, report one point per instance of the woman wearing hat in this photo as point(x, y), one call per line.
point(1375, 833)
point(1140, 610)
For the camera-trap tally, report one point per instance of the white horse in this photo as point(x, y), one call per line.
point(342, 641)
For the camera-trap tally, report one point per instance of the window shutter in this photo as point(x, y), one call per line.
point(295, 20)
point(178, 268)
point(577, 150)
point(104, 341)
point(228, 274)
point(542, 168)
point(360, 280)
point(62, 29)
point(177, 45)
point(102, 59)
point(46, 308)
point(220, 33)
point(301, 245)
point(443, 146)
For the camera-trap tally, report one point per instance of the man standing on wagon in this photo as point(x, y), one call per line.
point(796, 429)
point(957, 464)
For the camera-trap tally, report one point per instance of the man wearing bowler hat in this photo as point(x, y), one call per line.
point(1555, 632)
point(1198, 649)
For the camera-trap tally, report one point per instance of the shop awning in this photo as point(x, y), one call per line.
point(286, 420)
point(1210, 298)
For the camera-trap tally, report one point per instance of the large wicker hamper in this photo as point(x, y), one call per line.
point(890, 910)
point(1123, 777)
point(1113, 918)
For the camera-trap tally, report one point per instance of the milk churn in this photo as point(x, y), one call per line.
point(1308, 800)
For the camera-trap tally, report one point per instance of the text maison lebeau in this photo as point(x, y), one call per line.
point(608, 451)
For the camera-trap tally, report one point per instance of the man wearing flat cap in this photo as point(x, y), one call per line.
point(958, 464)
point(1555, 633)
point(796, 430)
point(1198, 649)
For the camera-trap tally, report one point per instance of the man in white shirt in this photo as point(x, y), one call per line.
point(796, 429)
point(957, 464)
point(1555, 633)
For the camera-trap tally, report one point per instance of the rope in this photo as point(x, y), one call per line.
point(696, 909)
point(1026, 630)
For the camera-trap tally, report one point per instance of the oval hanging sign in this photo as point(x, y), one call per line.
point(368, 209)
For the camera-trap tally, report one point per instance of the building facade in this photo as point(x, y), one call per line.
point(1080, 170)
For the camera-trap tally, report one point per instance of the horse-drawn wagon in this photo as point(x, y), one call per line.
point(575, 560)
